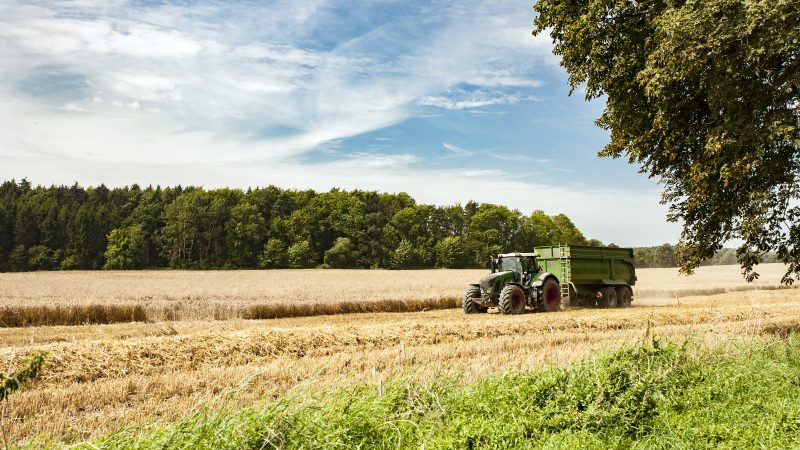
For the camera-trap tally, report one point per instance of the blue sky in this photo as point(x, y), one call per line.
point(448, 101)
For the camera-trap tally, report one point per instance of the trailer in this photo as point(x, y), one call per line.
point(555, 276)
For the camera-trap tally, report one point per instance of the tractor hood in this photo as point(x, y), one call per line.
point(490, 283)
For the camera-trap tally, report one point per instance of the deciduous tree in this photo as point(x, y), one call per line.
point(127, 248)
point(704, 96)
point(342, 255)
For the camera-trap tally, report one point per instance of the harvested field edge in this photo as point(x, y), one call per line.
point(656, 393)
point(681, 293)
point(94, 314)
point(98, 314)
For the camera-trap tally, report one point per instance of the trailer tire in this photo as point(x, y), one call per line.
point(624, 296)
point(512, 300)
point(551, 296)
point(608, 297)
point(468, 304)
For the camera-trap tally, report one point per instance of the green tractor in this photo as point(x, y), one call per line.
point(543, 280)
point(516, 281)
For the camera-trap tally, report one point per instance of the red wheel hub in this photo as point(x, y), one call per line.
point(517, 300)
point(551, 297)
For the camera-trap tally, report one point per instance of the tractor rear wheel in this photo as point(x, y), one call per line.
point(468, 302)
point(512, 300)
point(608, 297)
point(551, 296)
point(624, 296)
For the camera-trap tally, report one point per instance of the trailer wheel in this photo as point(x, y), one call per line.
point(608, 297)
point(469, 305)
point(551, 296)
point(512, 300)
point(624, 296)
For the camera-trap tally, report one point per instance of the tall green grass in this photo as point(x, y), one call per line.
point(652, 395)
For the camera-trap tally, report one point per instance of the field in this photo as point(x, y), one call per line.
point(195, 346)
point(73, 298)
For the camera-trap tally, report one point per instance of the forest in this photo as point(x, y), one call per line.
point(72, 227)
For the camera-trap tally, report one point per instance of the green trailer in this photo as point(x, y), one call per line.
point(554, 276)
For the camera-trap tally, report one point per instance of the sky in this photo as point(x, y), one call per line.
point(449, 101)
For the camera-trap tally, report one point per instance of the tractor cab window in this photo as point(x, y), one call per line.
point(511, 263)
point(528, 268)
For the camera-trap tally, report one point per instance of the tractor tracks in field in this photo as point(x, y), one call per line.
point(259, 342)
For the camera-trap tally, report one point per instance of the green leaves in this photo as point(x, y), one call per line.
point(127, 248)
point(30, 370)
point(702, 94)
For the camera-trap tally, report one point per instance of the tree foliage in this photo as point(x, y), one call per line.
point(245, 233)
point(127, 248)
point(300, 255)
point(451, 253)
point(270, 228)
point(342, 255)
point(703, 95)
point(274, 255)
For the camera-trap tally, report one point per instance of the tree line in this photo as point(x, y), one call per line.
point(71, 227)
point(666, 256)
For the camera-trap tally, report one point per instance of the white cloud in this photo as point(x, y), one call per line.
point(466, 101)
point(244, 76)
point(370, 161)
point(517, 157)
point(66, 37)
point(456, 149)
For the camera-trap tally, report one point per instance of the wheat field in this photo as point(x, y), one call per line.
point(70, 298)
point(101, 377)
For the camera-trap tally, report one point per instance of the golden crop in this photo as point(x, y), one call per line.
point(71, 298)
point(102, 377)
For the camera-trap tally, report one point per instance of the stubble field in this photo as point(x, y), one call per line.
point(197, 348)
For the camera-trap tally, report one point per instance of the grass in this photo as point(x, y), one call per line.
point(76, 298)
point(653, 395)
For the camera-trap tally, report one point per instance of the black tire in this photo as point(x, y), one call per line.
point(608, 297)
point(469, 305)
point(624, 296)
point(512, 300)
point(551, 296)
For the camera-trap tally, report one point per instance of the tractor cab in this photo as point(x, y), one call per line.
point(522, 265)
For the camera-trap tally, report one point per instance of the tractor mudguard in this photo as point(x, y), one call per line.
point(543, 276)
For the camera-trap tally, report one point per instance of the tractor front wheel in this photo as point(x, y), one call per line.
point(468, 302)
point(551, 295)
point(512, 300)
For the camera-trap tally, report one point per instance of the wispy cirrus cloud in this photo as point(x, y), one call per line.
point(456, 149)
point(460, 99)
point(265, 73)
